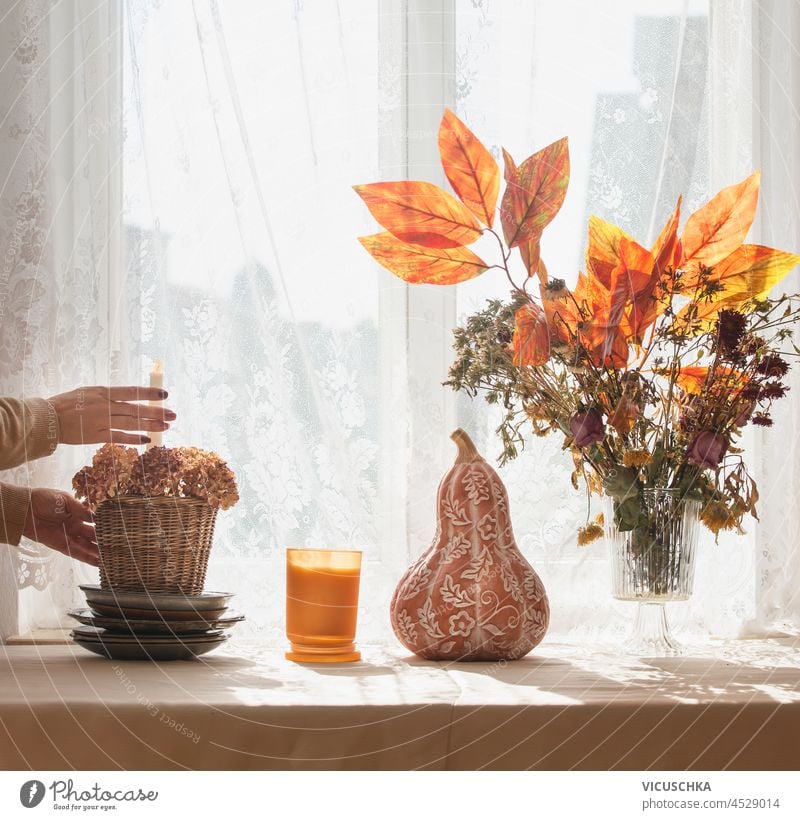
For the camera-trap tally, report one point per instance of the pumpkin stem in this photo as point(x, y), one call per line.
point(467, 451)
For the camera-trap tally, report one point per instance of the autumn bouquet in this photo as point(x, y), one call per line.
point(650, 367)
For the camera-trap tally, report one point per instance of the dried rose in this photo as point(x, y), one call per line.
point(707, 449)
point(587, 428)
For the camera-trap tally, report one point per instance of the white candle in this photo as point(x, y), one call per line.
point(156, 380)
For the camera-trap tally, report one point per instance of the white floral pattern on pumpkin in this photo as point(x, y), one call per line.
point(462, 624)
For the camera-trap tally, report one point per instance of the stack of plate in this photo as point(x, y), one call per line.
point(152, 626)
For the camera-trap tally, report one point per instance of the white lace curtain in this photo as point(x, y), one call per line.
point(60, 239)
point(242, 127)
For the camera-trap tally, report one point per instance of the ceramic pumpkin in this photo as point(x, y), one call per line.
point(472, 596)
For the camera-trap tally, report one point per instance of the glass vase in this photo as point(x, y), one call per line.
point(653, 564)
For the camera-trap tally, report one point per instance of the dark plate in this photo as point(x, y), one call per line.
point(156, 601)
point(154, 625)
point(92, 633)
point(149, 652)
point(128, 612)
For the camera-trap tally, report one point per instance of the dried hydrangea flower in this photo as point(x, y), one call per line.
point(174, 472)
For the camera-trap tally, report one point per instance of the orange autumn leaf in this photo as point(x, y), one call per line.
point(613, 353)
point(541, 272)
point(714, 231)
point(693, 378)
point(535, 191)
point(617, 269)
point(668, 249)
point(602, 335)
point(602, 253)
point(750, 272)
point(626, 279)
point(420, 213)
point(531, 336)
point(470, 167)
point(648, 302)
point(624, 415)
point(417, 264)
point(530, 252)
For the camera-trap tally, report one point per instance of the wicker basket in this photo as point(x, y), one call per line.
point(154, 544)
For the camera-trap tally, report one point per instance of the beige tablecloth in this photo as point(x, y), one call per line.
point(734, 705)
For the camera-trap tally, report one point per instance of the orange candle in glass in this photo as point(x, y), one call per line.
point(322, 604)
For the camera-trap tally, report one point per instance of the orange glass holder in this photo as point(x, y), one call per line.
point(322, 605)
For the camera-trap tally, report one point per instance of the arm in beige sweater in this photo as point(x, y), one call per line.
point(28, 430)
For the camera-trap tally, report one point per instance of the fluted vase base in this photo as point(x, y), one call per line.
point(651, 635)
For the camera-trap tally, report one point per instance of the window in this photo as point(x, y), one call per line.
point(227, 137)
point(285, 349)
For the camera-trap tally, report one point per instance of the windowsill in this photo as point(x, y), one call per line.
point(725, 705)
point(41, 637)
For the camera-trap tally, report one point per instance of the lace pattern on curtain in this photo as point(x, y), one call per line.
point(57, 237)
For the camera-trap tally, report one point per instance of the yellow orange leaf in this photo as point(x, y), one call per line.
point(624, 416)
point(714, 231)
point(753, 270)
point(541, 272)
point(750, 272)
point(420, 213)
point(613, 353)
point(471, 169)
point(626, 279)
point(531, 336)
point(692, 379)
point(535, 191)
point(530, 252)
point(417, 264)
point(602, 253)
point(648, 301)
point(667, 250)
point(602, 335)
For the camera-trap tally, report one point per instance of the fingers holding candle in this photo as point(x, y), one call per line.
point(96, 415)
point(135, 393)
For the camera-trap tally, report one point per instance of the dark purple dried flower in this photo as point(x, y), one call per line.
point(707, 449)
point(774, 390)
point(773, 366)
point(750, 391)
point(587, 428)
point(731, 326)
point(762, 420)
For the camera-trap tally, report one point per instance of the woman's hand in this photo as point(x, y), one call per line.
point(95, 415)
point(58, 521)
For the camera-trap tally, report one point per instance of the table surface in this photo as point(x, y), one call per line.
point(723, 705)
